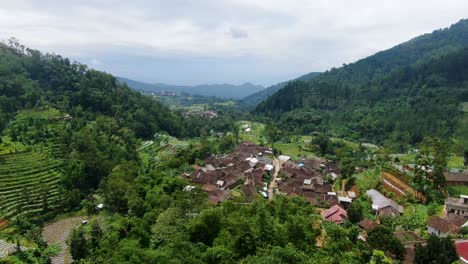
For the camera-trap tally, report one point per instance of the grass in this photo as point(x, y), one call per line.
point(45, 113)
point(464, 107)
point(455, 162)
point(368, 179)
point(457, 190)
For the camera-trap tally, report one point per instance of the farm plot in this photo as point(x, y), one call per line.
point(400, 188)
point(29, 181)
point(57, 233)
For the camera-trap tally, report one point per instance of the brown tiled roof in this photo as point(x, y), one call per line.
point(456, 176)
point(442, 225)
point(456, 219)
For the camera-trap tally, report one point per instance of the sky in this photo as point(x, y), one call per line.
point(192, 42)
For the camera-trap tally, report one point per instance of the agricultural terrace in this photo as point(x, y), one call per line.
point(29, 181)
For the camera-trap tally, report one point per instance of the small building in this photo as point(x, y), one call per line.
point(188, 188)
point(456, 178)
point(220, 183)
point(269, 167)
point(384, 206)
point(458, 206)
point(307, 181)
point(336, 214)
point(441, 227)
point(100, 206)
point(284, 158)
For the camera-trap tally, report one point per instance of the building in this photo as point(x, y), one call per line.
point(335, 214)
point(441, 227)
point(456, 178)
point(458, 206)
point(384, 206)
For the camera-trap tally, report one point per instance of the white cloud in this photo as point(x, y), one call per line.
point(284, 38)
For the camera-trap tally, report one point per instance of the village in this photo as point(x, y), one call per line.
point(254, 171)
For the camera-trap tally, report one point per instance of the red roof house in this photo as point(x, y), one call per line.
point(335, 214)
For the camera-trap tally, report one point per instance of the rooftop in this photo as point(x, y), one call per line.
point(381, 201)
point(443, 225)
point(335, 214)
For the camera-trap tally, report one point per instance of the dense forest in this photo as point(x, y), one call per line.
point(395, 97)
point(258, 97)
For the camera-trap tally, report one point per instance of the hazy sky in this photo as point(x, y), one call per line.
point(220, 41)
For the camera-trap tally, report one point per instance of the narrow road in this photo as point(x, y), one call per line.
point(276, 164)
point(58, 232)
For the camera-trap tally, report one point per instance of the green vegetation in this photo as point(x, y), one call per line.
point(30, 181)
point(437, 250)
point(394, 98)
point(455, 191)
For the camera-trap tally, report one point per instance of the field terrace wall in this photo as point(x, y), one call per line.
point(222, 173)
point(307, 179)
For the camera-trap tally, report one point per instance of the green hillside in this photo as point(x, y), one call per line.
point(258, 97)
point(395, 97)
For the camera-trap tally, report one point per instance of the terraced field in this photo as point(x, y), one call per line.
point(28, 179)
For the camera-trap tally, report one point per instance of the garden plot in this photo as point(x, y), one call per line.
point(29, 181)
point(57, 233)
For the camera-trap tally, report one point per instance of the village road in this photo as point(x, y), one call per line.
point(277, 164)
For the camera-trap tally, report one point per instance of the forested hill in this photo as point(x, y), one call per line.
point(398, 95)
point(227, 91)
point(29, 79)
point(258, 97)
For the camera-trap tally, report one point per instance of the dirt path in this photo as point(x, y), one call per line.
point(58, 232)
point(276, 164)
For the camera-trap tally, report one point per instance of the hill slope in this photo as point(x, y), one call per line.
point(399, 95)
point(258, 97)
point(217, 90)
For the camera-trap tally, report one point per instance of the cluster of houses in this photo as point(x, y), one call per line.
point(455, 220)
point(252, 170)
point(209, 114)
point(246, 168)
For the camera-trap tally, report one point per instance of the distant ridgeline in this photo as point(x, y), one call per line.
point(256, 98)
point(395, 97)
point(227, 91)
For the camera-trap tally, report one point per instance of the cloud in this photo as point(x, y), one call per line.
point(238, 33)
point(280, 39)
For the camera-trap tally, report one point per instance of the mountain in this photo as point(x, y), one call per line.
point(258, 97)
point(397, 96)
point(218, 90)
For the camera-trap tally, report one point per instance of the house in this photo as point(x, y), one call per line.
point(458, 206)
point(441, 227)
point(384, 206)
point(456, 178)
point(284, 158)
point(462, 250)
point(269, 167)
point(335, 214)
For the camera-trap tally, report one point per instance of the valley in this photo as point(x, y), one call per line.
point(365, 163)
